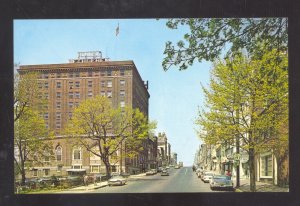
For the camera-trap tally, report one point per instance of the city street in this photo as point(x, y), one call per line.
point(179, 180)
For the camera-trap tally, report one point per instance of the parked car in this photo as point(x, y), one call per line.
point(221, 182)
point(177, 167)
point(164, 173)
point(117, 180)
point(198, 172)
point(207, 177)
point(167, 167)
point(150, 172)
point(159, 169)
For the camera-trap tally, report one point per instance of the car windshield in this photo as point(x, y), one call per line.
point(116, 177)
point(221, 177)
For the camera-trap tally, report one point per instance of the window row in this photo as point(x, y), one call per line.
point(58, 153)
point(76, 84)
point(104, 72)
point(72, 95)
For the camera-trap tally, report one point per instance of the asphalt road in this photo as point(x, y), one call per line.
point(179, 180)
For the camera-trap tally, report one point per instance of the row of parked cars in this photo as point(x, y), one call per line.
point(161, 170)
point(216, 181)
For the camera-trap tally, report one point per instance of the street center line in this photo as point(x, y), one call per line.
point(185, 171)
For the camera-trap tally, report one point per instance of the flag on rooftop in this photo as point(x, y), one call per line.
point(117, 30)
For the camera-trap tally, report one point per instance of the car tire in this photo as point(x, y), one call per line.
point(212, 188)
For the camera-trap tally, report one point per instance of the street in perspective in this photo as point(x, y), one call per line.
point(151, 106)
point(178, 180)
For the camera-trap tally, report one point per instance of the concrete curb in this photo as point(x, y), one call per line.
point(83, 188)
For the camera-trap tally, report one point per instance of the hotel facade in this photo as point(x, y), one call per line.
point(65, 86)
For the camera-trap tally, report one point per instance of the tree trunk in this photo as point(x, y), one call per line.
point(283, 169)
point(23, 174)
point(252, 170)
point(107, 167)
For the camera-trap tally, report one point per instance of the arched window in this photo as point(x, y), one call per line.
point(58, 153)
point(77, 154)
point(46, 155)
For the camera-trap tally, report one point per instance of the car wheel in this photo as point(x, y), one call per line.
point(212, 188)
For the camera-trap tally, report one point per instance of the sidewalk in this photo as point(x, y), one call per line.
point(260, 186)
point(102, 184)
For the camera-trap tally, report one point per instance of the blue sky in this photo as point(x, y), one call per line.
point(174, 95)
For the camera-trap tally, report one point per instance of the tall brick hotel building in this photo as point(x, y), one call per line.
point(65, 86)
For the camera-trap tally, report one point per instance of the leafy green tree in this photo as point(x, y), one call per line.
point(208, 38)
point(258, 90)
point(29, 135)
point(27, 93)
point(29, 127)
point(104, 130)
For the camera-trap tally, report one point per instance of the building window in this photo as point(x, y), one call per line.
point(70, 115)
point(102, 73)
point(76, 104)
point(102, 93)
point(267, 165)
point(58, 75)
point(77, 154)
point(109, 72)
point(58, 85)
point(46, 75)
point(102, 83)
point(77, 74)
point(122, 82)
point(59, 168)
point(109, 83)
point(76, 166)
point(58, 105)
point(113, 168)
point(77, 84)
point(95, 168)
point(109, 94)
point(46, 172)
point(90, 94)
point(122, 103)
point(40, 85)
point(46, 96)
point(70, 85)
point(34, 172)
point(90, 83)
point(58, 125)
point(77, 95)
point(46, 85)
point(70, 104)
point(58, 153)
point(71, 75)
point(71, 95)
point(58, 115)
point(46, 115)
point(122, 72)
point(58, 95)
point(122, 93)
point(90, 73)
point(46, 155)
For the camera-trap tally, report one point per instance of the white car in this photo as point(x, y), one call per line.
point(207, 177)
point(117, 180)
